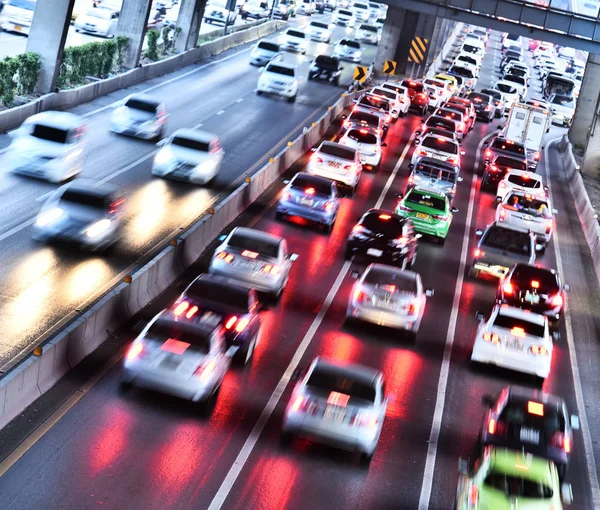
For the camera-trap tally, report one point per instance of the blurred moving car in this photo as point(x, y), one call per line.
point(563, 109)
point(101, 22)
point(368, 143)
point(340, 405)
point(319, 31)
point(294, 40)
point(216, 11)
point(189, 155)
point(348, 49)
point(325, 68)
point(368, 33)
point(279, 78)
point(337, 162)
point(498, 100)
point(264, 52)
point(17, 16)
point(141, 116)
point(344, 17)
point(82, 213)
point(49, 146)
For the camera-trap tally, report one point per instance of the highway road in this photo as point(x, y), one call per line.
point(139, 449)
point(42, 284)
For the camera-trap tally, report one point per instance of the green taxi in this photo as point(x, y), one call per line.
point(507, 479)
point(429, 211)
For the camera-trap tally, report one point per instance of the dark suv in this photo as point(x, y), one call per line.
point(502, 146)
point(325, 68)
point(497, 168)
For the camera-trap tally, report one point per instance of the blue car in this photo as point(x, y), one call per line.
point(310, 197)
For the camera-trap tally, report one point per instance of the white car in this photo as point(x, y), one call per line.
point(216, 11)
point(442, 87)
point(319, 31)
point(389, 296)
point(337, 162)
point(141, 116)
point(437, 147)
point(466, 60)
point(368, 33)
point(516, 339)
point(527, 212)
point(306, 7)
point(17, 16)
point(521, 180)
point(563, 109)
point(400, 90)
point(294, 40)
point(189, 155)
point(98, 22)
point(279, 78)
point(467, 73)
point(519, 82)
point(348, 49)
point(361, 11)
point(49, 146)
point(344, 17)
point(181, 359)
point(399, 104)
point(510, 93)
point(257, 259)
point(264, 52)
point(341, 405)
point(367, 142)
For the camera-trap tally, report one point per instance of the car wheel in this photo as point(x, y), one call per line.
point(279, 215)
point(411, 336)
point(286, 438)
point(348, 254)
point(292, 99)
point(441, 241)
point(259, 92)
point(365, 458)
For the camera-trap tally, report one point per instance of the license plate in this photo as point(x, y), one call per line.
point(375, 253)
point(335, 413)
point(513, 343)
point(386, 303)
point(532, 298)
point(422, 216)
point(530, 435)
point(307, 201)
point(334, 164)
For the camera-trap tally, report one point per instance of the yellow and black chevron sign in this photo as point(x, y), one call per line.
point(418, 50)
point(389, 67)
point(360, 74)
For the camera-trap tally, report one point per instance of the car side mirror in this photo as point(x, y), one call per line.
point(546, 188)
point(355, 274)
point(293, 257)
point(222, 238)
point(462, 152)
point(384, 144)
point(567, 287)
point(487, 401)
point(463, 467)
point(566, 493)
point(575, 422)
point(459, 179)
point(479, 232)
point(161, 143)
point(479, 316)
point(429, 292)
point(454, 209)
point(344, 116)
point(539, 248)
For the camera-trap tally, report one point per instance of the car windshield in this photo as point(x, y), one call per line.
point(296, 33)
point(362, 136)
point(180, 335)
point(187, 143)
point(325, 381)
point(368, 28)
point(384, 223)
point(524, 181)
point(440, 144)
point(80, 197)
point(284, 71)
point(144, 106)
point(337, 151)
point(508, 146)
point(375, 102)
point(425, 199)
point(269, 46)
point(507, 162)
point(546, 281)
point(302, 182)
point(100, 13)
point(400, 281)
point(563, 101)
point(506, 88)
point(319, 25)
point(442, 123)
point(51, 134)
point(507, 239)
point(218, 292)
point(265, 247)
point(529, 328)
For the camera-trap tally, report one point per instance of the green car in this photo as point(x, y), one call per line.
point(429, 211)
point(507, 479)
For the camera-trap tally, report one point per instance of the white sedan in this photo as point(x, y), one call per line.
point(399, 103)
point(521, 180)
point(367, 142)
point(516, 339)
point(189, 155)
point(139, 115)
point(337, 162)
point(101, 22)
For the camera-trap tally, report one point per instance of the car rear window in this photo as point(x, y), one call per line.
point(284, 71)
point(374, 102)
point(516, 79)
point(435, 83)
point(441, 122)
point(466, 58)
point(368, 28)
point(49, 133)
point(440, 144)
point(319, 25)
point(187, 143)
point(421, 198)
point(269, 46)
point(507, 240)
point(163, 331)
point(396, 88)
point(296, 33)
point(524, 181)
point(323, 380)
point(476, 97)
point(515, 71)
point(80, 197)
point(345, 12)
point(386, 93)
point(384, 223)
point(369, 118)
point(471, 49)
point(508, 146)
point(491, 92)
point(516, 415)
point(337, 151)
point(261, 246)
point(144, 106)
point(362, 136)
point(513, 486)
point(506, 88)
point(446, 112)
point(303, 181)
point(219, 292)
point(440, 132)
point(529, 328)
point(507, 162)
point(402, 282)
point(361, 6)
point(414, 85)
point(547, 281)
point(461, 71)
point(349, 42)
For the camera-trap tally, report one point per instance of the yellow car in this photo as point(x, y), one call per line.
point(454, 86)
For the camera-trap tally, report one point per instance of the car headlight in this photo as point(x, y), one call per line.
point(98, 229)
point(48, 217)
point(163, 156)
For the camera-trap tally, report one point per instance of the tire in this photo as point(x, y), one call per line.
point(286, 438)
point(366, 458)
point(291, 99)
point(286, 17)
point(411, 336)
point(278, 215)
point(348, 253)
point(259, 92)
point(244, 356)
point(441, 241)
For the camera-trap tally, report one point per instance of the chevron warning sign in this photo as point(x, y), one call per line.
point(389, 67)
point(418, 50)
point(360, 74)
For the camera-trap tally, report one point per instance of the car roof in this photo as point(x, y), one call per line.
point(220, 280)
point(359, 373)
point(504, 460)
point(429, 191)
point(195, 134)
point(531, 175)
point(256, 234)
point(92, 188)
point(61, 120)
point(316, 178)
point(519, 313)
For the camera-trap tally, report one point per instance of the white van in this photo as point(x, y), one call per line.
point(17, 16)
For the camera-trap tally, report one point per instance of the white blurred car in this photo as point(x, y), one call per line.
point(341, 405)
point(49, 146)
point(389, 296)
point(294, 40)
point(368, 33)
point(279, 78)
point(399, 103)
point(141, 116)
point(348, 49)
point(521, 180)
point(264, 52)
point(344, 17)
point(563, 109)
point(440, 148)
point(442, 88)
point(319, 31)
point(516, 339)
point(361, 11)
point(337, 162)
point(101, 22)
point(367, 142)
point(510, 93)
point(189, 155)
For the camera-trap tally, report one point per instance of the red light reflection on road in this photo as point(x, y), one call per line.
point(342, 346)
point(401, 370)
point(110, 440)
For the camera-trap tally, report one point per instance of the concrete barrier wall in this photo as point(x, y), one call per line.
point(14, 117)
point(36, 375)
point(448, 52)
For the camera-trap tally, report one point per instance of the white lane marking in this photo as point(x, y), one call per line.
point(250, 443)
point(124, 169)
point(239, 100)
point(16, 229)
point(585, 429)
point(436, 423)
point(43, 197)
point(220, 112)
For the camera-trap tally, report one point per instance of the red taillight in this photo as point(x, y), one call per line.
point(453, 159)
point(488, 107)
point(536, 155)
point(488, 153)
point(317, 159)
point(230, 322)
point(478, 252)
point(297, 403)
point(285, 195)
point(181, 308)
point(413, 309)
point(538, 350)
point(491, 337)
point(461, 126)
point(535, 284)
point(422, 152)
point(508, 288)
point(494, 168)
point(204, 371)
point(567, 444)
point(359, 296)
point(241, 324)
point(350, 168)
point(384, 217)
point(135, 350)
point(114, 207)
point(474, 495)
point(492, 426)
point(557, 300)
point(191, 312)
point(225, 257)
point(502, 215)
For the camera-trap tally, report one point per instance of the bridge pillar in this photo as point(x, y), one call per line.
point(386, 50)
point(584, 133)
point(190, 17)
point(414, 42)
point(47, 37)
point(133, 21)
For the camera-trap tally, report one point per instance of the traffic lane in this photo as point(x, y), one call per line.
point(311, 475)
point(158, 209)
point(463, 412)
point(111, 444)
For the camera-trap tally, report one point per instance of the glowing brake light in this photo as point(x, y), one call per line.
point(241, 324)
point(538, 350)
point(536, 408)
point(181, 308)
point(385, 217)
point(359, 296)
point(535, 284)
point(135, 350)
point(557, 300)
point(502, 214)
point(191, 312)
point(309, 191)
point(488, 153)
point(548, 226)
point(338, 399)
point(517, 331)
point(390, 288)
point(492, 426)
point(478, 252)
point(508, 288)
point(225, 257)
point(491, 337)
point(230, 322)
point(474, 495)
point(204, 371)
point(363, 131)
point(270, 269)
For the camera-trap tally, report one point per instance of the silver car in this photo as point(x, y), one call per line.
point(139, 115)
point(258, 259)
point(440, 148)
point(84, 213)
point(434, 174)
point(178, 358)
point(263, 52)
point(338, 405)
point(388, 296)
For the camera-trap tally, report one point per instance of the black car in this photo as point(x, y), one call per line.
point(484, 105)
point(385, 237)
point(497, 169)
point(325, 68)
point(501, 146)
point(498, 100)
point(228, 302)
point(534, 288)
point(526, 419)
point(320, 6)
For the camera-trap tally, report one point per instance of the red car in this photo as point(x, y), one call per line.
point(533, 44)
point(419, 100)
